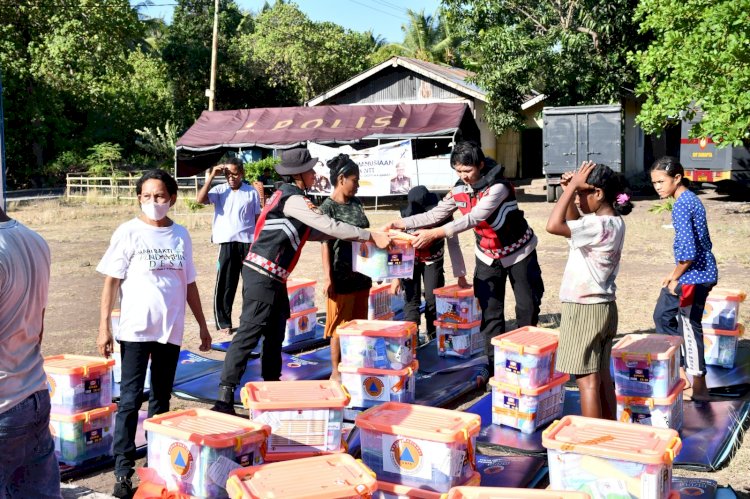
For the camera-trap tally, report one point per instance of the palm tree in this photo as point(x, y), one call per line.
point(427, 38)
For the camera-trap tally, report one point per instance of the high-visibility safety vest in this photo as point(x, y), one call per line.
point(278, 239)
point(505, 231)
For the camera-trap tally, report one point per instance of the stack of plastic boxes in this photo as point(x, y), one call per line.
point(458, 322)
point(187, 448)
point(721, 328)
point(527, 392)
point(419, 451)
point(647, 380)
point(306, 417)
point(378, 362)
point(302, 322)
point(610, 459)
point(82, 416)
point(379, 306)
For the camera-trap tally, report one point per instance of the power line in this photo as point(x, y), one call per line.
point(376, 9)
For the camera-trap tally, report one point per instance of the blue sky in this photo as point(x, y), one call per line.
point(383, 17)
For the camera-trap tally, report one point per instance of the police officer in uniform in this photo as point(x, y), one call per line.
point(505, 243)
point(286, 223)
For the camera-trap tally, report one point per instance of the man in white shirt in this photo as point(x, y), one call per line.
point(236, 209)
point(28, 466)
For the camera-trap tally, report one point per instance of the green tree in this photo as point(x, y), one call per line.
point(58, 60)
point(301, 58)
point(574, 51)
point(699, 59)
point(104, 158)
point(186, 50)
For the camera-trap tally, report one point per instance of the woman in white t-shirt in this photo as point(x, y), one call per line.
point(589, 312)
point(150, 262)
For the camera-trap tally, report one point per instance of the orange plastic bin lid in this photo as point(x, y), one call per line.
point(528, 339)
point(652, 401)
point(406, 371)
point(294, 395)
point(454, 291)
point(388, 329)
point(465, 492)
point(397, 489)
point(206, 427)
point(303, 312)
point(418, 421)
point(738, 331)
point(76, 364)
point(613, 440)
point(559, 379)
point(456, 325)
point(294, 284)
point(727, 294)
point(380, 288)
point(647, 346)
point(98, 413)
point(321, 477)
point(275, 457)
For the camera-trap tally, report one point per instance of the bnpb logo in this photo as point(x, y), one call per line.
point(406, 455)
point(303, 323)
point(373, 386)
point(181, 459)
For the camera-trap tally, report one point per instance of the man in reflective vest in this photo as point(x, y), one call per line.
point(505, 244)
point(287, 221)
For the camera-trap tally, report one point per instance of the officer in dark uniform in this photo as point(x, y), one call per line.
point(287, 221)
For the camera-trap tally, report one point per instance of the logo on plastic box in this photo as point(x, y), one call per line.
point(491, 470)
point(303, 323)
point(406, 455)
point(364, 252)
point(181, 459)
point(373, 386)
point(51, 386)
point(692, 491)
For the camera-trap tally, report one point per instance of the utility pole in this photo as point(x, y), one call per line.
point(211, 92)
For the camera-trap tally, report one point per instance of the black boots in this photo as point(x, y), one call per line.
point(225, 401)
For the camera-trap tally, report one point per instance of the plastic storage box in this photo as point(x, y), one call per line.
point(525, 356)
point(456, 304)
point(646, 365)
point(336, 476)
point(185, 447)
point(379, 301)
point(459, 340)
point(378, 344)
point(306, 417)
point(83, 436)
point(301, 294)
point(657, 412)
point(527, 409)
point(465, 492)
point(720, 346)
point(77, 383)
point(395, 262)
point(370, 387)
point(722, 310)
point(300, 326)
point(610, 459)
point(419, 446)
point(388, 490)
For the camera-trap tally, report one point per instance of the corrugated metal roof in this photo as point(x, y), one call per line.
point(456, 75)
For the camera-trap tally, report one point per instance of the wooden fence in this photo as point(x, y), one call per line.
point(84, 186)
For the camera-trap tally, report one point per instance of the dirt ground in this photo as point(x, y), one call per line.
point(78, 234)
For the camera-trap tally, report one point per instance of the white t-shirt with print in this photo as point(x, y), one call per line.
point(594, 260)
point(155, 265)
point(234, 213)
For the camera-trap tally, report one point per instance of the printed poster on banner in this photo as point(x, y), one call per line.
point(384, 170)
